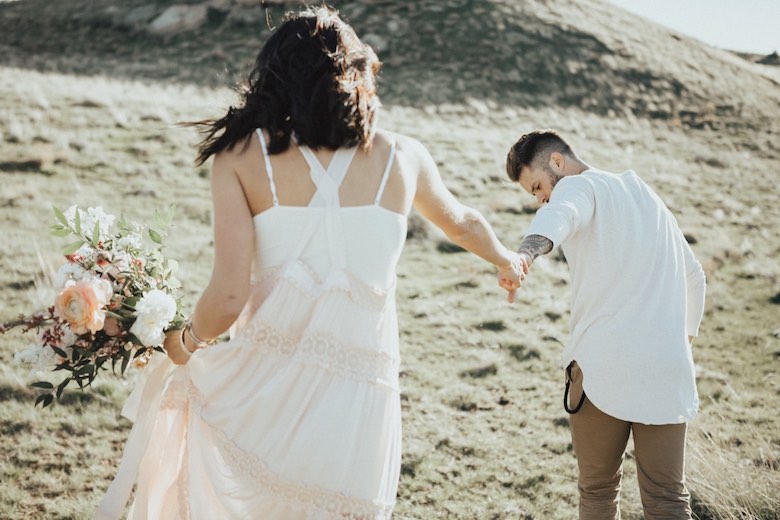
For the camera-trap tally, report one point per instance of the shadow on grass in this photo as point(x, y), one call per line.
point(22, 394)
point(481, 372)
point(523, 353)
point(702, 511)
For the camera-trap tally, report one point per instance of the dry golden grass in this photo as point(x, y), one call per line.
point(484, 433)
point(732, 483)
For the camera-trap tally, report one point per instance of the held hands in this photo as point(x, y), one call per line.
point(512, 274)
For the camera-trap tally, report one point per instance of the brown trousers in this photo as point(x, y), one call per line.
point(600, 443)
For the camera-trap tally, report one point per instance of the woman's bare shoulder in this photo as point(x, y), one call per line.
point(402, 141)
point(410, 149)
point(239, 152)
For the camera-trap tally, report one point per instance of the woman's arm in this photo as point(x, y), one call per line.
point(461, 224)
point(228, 289)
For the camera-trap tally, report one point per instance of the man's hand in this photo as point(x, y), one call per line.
point(511, 276)
point(532, 246)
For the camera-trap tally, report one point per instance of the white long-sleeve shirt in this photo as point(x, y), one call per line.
point(637, 293)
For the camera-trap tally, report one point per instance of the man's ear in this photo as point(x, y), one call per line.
point(556, 161)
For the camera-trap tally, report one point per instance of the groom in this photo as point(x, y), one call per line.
point(637, 301)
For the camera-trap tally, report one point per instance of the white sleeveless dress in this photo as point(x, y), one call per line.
point(298, 415)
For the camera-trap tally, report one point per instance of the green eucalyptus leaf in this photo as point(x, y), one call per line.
point(77, 221)
point(129, 303)
point(169, 216)
point(62, 386)
point(158, 219)
point(72, 247)
point(125, 362)
point(60, 216)
point(60, 232)
point(43, 384)
point(96, 234)
point(46, 399)
point(85, 370)
point(155, 236)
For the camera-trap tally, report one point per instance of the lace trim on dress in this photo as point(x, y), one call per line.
point(317, 502)
point(327, 351)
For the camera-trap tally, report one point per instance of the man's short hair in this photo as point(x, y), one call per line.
point(534, 148)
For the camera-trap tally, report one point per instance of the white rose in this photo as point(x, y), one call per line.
point(149, 334)
point(153, 313)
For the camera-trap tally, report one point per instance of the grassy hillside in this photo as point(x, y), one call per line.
point(87, 104)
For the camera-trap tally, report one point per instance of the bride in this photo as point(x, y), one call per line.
point(297, 416)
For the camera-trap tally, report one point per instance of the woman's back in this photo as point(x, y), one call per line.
point(342, 210)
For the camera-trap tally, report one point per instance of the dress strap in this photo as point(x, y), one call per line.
point(311, 159)
point(385, 175)
point(327, 180)
point(268, 169)
point(339, 164)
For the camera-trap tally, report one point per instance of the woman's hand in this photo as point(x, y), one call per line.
point(174, 348)
point(512, 273)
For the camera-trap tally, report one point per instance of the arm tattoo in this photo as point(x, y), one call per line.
point(535, 245)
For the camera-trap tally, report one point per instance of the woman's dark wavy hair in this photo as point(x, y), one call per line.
point(313, 79)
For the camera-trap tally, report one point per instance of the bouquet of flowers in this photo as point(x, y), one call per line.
point(116, 298)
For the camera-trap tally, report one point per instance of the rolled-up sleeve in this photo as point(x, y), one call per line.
point(570, 207)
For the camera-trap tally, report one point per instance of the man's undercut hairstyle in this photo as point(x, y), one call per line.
point(534, 148)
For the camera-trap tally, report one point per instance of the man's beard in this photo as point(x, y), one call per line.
point(554, 177)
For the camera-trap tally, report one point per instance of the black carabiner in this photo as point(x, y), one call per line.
point(571, 411)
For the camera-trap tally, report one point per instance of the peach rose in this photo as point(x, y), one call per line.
point(81, 304)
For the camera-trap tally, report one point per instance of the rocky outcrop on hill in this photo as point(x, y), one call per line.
point(770, 59)
point(182, 17)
